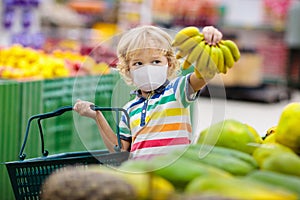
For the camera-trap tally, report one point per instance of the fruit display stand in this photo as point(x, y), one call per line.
point(20, 100)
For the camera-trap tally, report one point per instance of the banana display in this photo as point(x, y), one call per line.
point(207, 59)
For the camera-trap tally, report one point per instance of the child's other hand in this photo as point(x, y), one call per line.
point(212, 35)
point(83, 109)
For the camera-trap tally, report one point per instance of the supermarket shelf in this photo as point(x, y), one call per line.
point(265, 93)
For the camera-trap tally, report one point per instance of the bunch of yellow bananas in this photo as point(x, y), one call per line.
point(208, 59)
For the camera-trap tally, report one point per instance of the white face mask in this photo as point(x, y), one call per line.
point(149, 77)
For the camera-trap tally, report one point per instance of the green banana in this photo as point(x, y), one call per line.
point(186, 64)
point(193, 55)
point(186, 47)
point(181, 54)
point(233, 49)
point(213, 60)
point(214, 54)
point(202, 62)
point(184, 34)
point(205, 64)
point(275, 179)
point(221, 65)
point(197, 73)
point(228, 57)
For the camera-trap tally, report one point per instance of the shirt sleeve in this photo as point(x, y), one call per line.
point(184, 91)
point(125, 133)
point(191, 93)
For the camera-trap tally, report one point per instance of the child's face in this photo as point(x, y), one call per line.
point(147, 57)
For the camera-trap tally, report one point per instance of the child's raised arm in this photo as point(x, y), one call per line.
point(206, 51)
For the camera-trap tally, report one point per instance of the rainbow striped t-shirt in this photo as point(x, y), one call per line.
point(160, 123)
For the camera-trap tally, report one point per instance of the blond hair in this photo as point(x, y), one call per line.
point(145, 37)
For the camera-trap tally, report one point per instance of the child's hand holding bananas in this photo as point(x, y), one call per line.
point(209, 53)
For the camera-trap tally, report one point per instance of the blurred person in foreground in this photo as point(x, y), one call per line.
point(159, 113)
point(79, 183)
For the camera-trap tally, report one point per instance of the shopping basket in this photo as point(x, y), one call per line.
point(27, 175)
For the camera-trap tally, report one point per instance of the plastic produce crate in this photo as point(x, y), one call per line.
point(68, 132)
point(27, 175)
point(9, 131)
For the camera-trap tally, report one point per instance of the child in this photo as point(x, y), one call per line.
point(159, 114)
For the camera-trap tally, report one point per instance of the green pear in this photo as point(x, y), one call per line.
point(288, 132)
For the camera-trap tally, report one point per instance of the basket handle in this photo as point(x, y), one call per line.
point(58, 112)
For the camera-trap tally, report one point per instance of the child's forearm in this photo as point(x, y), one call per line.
point(109, 137)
